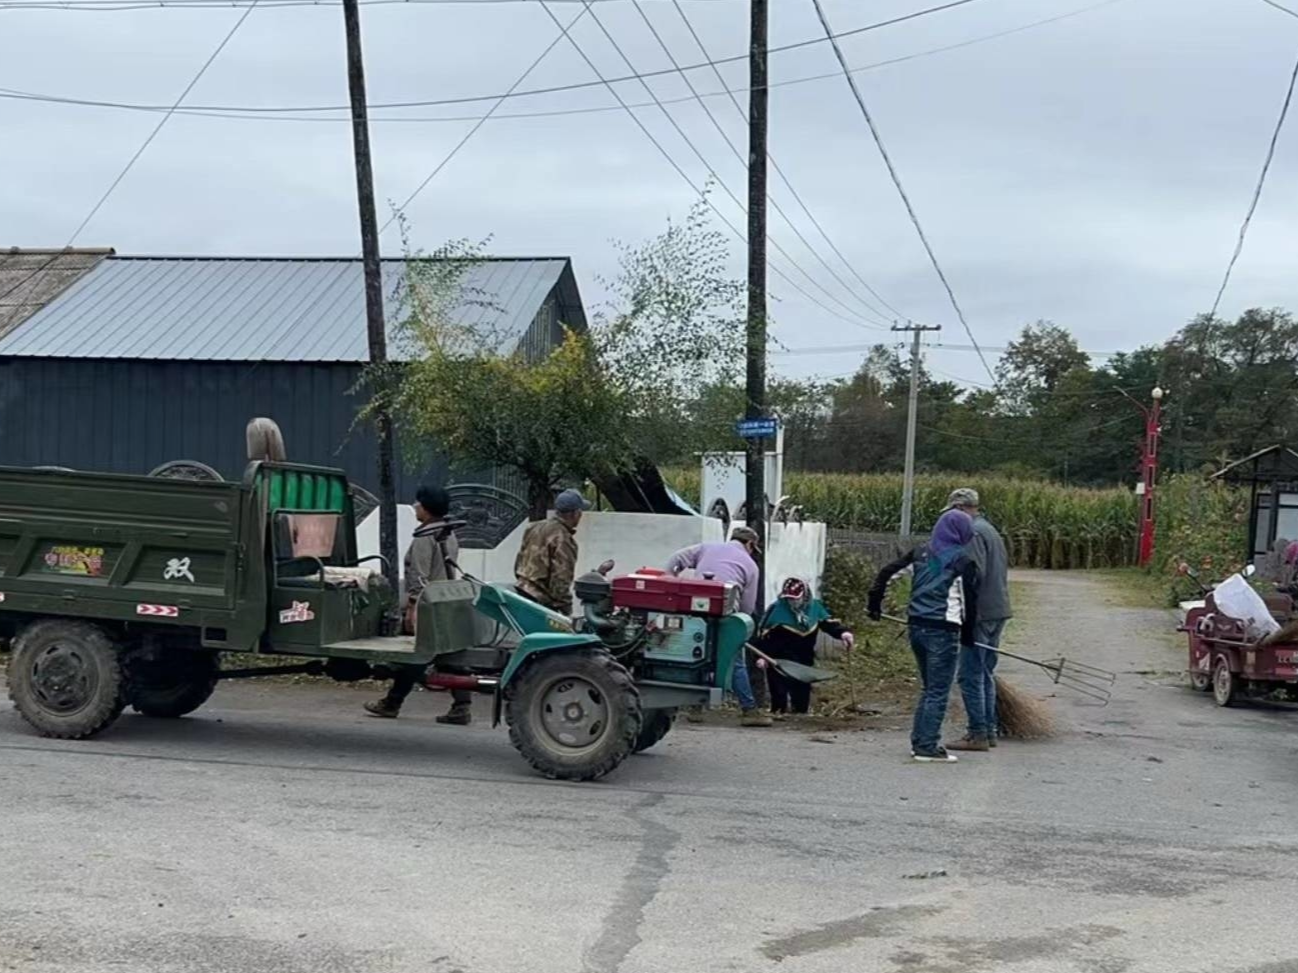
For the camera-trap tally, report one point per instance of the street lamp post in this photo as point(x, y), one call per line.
point(1149, 474)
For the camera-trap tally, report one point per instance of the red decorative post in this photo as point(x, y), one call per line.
point(1149, 475)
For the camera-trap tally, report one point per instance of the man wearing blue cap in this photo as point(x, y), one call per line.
point(547, 561)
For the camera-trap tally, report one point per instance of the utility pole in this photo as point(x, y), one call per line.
point(755, 379)
point(375, 327)
point(908, 487)
point(1149, 476)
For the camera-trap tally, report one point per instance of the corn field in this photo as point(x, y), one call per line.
point(1045, 525)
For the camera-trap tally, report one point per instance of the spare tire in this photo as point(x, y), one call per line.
point(186, 469)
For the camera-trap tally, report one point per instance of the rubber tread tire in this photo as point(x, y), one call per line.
point(97, 715)
point(619, 689)
point(182, 697)
point(657, 724)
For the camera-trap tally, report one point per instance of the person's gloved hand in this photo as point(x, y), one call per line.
point(849, 640)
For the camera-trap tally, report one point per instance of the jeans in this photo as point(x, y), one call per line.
point(741, 684)
point(936, 651)
point(978, 678)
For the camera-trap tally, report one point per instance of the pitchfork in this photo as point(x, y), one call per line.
point(1085, 680)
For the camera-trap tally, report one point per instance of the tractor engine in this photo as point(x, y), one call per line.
point(662, 626)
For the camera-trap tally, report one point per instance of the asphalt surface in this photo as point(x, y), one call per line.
point(280, 830)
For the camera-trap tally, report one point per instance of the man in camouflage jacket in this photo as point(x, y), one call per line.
point(547, 561)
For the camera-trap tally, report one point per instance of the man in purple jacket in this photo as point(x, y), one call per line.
point(732, 562)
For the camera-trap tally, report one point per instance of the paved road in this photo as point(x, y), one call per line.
point(278, 830)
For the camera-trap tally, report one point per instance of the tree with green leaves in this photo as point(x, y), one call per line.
point(600, 402)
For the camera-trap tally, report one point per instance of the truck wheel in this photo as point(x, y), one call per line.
point(1225, 687)
point(574, 715)
point(1200, 681)
point(173, 685)
point(66, 679)
point(657, 723)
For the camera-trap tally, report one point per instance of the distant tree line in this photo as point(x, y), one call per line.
point(1231, 388)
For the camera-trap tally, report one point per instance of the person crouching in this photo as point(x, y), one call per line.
point(789, 630)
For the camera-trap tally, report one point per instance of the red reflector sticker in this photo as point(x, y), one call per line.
point(158, 611)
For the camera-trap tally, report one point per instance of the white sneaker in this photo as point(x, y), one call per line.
point(938, 756)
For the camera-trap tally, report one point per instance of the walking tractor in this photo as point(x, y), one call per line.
point(124, 591)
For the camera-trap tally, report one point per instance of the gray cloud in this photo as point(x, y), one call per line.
point(1092, 171)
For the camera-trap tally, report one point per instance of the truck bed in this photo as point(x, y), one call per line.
point(131, 549)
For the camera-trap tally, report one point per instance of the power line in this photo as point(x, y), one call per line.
point(563, 33)
point(1272, 3)
point(785, 179)
point(1257, 192)
point(576, 86)
point(842, 349)
point(896, 180)
point(134, 158)
point(163, 121)
point(282, 113)
point(617, 47)
point(743, 161)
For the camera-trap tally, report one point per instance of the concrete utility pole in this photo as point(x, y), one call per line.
point(375, 328)
point(908, 488)
point(755, 382)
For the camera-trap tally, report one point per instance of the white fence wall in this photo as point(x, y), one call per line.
point(631, 540)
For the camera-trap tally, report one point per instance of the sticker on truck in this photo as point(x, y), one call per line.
point(69, 559)
point(300, 612)
point(158, 611)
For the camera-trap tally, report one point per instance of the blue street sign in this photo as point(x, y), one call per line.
point(756, 428)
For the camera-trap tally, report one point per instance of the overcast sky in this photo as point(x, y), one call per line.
point(1093, 171)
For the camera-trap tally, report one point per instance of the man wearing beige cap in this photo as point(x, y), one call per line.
point(977, 675)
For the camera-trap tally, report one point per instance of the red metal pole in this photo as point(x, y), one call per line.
point(1149, 475)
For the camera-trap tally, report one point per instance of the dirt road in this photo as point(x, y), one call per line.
point(280, 830)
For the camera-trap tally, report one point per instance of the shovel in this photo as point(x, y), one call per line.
point(794, 670)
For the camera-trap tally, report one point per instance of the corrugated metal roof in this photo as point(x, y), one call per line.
point(258, 309)
point(30, 279)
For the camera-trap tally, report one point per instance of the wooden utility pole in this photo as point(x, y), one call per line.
point(375, 327)
point(912, 410)
point(755, 380)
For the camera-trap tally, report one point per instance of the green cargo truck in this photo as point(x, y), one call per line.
point(121, 591)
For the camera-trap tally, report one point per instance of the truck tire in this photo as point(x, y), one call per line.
point(66, 678)
point(657, 723)
point(173, 685)
point(574, 715)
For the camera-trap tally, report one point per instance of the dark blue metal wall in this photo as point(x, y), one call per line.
point(131, 416)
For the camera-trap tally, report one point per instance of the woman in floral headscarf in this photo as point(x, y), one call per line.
point(789, 631)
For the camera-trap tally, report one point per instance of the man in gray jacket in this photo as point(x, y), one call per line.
point(977, 674)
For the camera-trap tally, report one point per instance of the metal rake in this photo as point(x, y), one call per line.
point(1083, 679)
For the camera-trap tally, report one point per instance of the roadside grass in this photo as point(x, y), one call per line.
point(1138, 588)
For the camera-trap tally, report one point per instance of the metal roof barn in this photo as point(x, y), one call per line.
point(126, 362)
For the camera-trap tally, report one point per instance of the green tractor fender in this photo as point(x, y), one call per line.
point(529, 648)
point(733, 632)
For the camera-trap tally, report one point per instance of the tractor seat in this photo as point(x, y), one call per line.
point(334, 577)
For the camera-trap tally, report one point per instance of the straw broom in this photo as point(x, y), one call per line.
point(1021, 716)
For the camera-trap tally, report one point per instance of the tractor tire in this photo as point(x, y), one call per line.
point(574, 715)
point(1200, 682)
point(171, 686)
point(657, 723)
point(66, 678)
point(1225, 687)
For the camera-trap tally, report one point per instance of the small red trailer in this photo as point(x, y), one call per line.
point(1225, 661)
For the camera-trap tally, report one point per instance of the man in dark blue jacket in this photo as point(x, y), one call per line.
point(942, 614)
